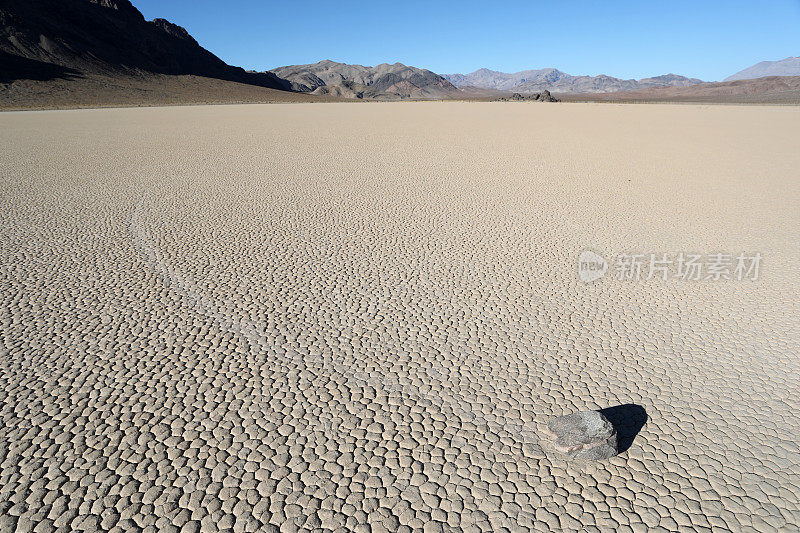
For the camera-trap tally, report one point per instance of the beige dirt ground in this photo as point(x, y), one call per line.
point(362, 317)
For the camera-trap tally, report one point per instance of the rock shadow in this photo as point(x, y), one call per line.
point(628, 420)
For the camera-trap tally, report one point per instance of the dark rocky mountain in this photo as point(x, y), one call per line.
point(533, 81)
point(45, 39)
point(381, 82)
point(785, 67)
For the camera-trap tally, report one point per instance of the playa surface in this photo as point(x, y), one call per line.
point(362, 317)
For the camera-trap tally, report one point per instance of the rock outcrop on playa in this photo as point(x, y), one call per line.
point(531, 81)
point(381, 82)
point(543, 96)
point(47, 39)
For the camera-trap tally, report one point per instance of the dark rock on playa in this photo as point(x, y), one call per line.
point(586, 435)
point(543, 96)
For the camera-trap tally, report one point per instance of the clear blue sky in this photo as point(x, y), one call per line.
point(633, 39)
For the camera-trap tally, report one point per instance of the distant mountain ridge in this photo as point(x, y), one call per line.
point(766, 90)
point(43, 39)
point(785, 67)
point(532, 81)
point(381, 82)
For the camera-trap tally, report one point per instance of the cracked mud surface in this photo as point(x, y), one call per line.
point(362, 317)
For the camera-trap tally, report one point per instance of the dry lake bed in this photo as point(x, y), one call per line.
point(362, 317)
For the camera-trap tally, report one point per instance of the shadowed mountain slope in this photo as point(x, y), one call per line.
point(47, 39)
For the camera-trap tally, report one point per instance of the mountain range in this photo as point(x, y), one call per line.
point(382, 82)
point(531, 81)
point(785, 67)
point(767, 90)
point(103, 52)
